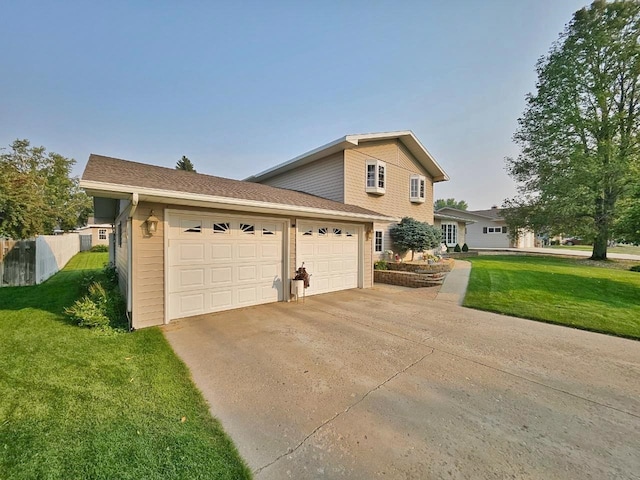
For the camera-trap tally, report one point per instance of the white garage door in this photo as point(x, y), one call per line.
point(330, 254)
point(218, 262)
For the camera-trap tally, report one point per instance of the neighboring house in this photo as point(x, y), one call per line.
point(391, 173)
point(99, 231)
point(489, 229)
point(189, 244)
point(453, 227)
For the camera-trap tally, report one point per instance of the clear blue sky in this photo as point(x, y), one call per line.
point(240, 86)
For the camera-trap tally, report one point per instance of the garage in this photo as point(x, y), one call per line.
point(330, 252)
point(218, 262)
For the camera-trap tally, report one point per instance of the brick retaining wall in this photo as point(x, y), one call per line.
point(407, 279)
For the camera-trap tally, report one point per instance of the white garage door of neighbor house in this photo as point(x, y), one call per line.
point(218, 262)
point(330, 254)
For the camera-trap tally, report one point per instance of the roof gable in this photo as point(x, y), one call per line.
point(406, 137)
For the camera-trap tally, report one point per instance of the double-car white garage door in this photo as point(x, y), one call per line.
point(220, 262)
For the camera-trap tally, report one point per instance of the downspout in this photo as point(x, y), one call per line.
point(132, 211)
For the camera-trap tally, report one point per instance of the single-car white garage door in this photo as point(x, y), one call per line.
point(220, 262)
point(330, 254)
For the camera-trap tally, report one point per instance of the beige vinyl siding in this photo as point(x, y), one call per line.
point(400, 166)
point(148, 268)
point(368, 257)
point(324, 178)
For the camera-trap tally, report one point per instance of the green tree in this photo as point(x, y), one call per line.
point(37, 193)
point(185, 164)
point(416, 236)
point(626, 227)
point(450, 202)
point(579, 131)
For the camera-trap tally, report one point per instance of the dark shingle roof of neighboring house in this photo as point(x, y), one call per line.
point(490, 214)
point(493, 213)
point(117, 172)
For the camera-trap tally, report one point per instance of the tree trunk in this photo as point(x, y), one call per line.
point(599, 248)
point(412, 253)
point(599, 251)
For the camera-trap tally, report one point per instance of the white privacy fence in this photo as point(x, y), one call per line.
point(53, 252)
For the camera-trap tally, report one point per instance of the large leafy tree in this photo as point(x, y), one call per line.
point(410, 234)
point(37, 193)
point(450, 202)
point(579, 132)
point(185, 164)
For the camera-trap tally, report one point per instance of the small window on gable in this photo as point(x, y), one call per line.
point(417, 188)
point(247, 228)
point(376, 179)
point(337, 231)
point(308, 232)
point(268, 230)
point(322, 231)
point(221, 227)
point(378, 245)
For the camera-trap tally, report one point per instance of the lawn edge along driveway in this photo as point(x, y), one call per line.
point(577, 293)
point(79, 404)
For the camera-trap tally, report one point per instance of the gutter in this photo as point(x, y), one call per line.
point(132, 211)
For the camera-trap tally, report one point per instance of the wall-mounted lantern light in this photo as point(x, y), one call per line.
point(152, 223)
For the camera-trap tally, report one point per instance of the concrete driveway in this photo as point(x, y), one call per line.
point(392, 383)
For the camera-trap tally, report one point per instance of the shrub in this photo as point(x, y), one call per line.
point(102, 309)
point(380, 265)
point(416, 236)
point(457, 248)
point(465, 248)
point(111, 273)
point(635, 268)
point(99, 248)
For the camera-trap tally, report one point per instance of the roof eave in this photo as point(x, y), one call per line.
point(110, 190)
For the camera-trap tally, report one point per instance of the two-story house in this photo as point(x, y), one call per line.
point(391, 173)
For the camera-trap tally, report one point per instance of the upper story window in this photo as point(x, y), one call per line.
point(376, 176)
point(417, 188)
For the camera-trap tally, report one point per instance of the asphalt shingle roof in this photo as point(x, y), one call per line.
point(124, 172)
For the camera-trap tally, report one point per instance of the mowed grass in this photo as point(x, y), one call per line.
point(565, 291)
point(75, 404)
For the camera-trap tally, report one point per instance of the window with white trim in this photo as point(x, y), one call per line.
point(378, 244)
point(102, 233)
point(376, 176)
point(417, 188)
point(494, 229)
point(449, 233)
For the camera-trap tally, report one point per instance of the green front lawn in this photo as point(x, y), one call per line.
point(574, 292)
point(77, 404)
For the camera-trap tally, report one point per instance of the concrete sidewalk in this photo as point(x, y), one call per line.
point(556, 251)
point(455, 283)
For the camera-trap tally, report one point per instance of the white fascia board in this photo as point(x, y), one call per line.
point(440, 216)
point(228, 203)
